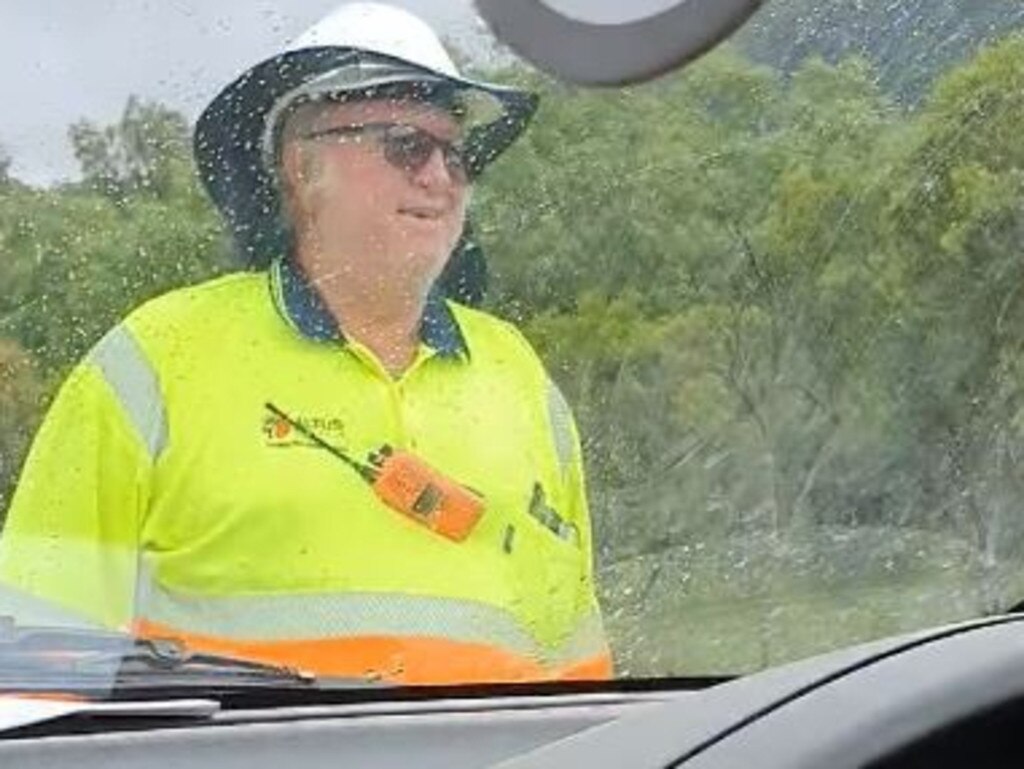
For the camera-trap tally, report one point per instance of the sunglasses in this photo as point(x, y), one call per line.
point(406, 147)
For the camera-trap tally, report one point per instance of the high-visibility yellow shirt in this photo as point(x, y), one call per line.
point(161, 494)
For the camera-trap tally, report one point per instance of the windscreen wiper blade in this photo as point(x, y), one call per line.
point(169, 663)
point(44, 659)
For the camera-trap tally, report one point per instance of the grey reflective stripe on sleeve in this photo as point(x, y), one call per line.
point(131, 377)
point(560, 417)
point(586, 641)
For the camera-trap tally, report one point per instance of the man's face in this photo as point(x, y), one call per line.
point(368, 221)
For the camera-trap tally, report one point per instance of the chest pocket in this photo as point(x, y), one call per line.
point(548, 560)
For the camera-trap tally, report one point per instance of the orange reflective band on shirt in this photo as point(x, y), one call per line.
point(45, 696)
point(399, 637)
point(596, 668)
point(408, 660)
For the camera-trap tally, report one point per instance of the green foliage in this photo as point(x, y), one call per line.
point(911, 41)
point(5, 168)
point(21, 393)
point(780, 303)
point(145, 154)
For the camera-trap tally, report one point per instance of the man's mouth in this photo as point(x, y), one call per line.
point(422, 213)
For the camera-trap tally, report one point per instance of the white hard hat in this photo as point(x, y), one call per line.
point(380, 28)
point(357, 48)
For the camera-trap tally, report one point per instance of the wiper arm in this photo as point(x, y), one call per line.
point(169, 663)
point(43, 659)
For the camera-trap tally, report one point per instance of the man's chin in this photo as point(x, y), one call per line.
point(428, 255)
point(418, 270)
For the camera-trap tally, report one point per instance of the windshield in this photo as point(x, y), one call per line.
point(419, 366)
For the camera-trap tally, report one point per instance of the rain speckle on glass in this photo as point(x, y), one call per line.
point(769, 308)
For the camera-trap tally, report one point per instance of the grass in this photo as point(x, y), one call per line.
point(742, 606)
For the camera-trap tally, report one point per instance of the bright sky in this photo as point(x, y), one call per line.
point(64, 60)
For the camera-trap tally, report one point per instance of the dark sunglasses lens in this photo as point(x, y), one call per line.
point(410, 152)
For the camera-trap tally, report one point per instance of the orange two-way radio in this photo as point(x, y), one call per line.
point(408, 485)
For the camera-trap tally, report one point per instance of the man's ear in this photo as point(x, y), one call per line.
point(298, 169)
point(298, 165)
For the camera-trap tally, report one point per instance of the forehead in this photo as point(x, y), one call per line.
point(421, 114)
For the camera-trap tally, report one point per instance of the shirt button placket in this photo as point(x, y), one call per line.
point(396, 396)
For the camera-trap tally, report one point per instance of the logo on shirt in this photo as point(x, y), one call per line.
point(278, 433)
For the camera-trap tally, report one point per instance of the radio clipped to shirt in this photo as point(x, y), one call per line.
point(410, 486)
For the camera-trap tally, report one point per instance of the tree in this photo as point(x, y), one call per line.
point(79, 257)
point(5, 168)
point(957, 221)
point(21, 392)
point(909, 42)
point(144, 153)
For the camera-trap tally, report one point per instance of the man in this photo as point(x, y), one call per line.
point(325, 462)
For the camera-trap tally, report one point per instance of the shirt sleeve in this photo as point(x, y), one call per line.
point(71, 538)
point(570, 457)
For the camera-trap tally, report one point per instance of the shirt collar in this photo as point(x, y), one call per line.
point(302, 308)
